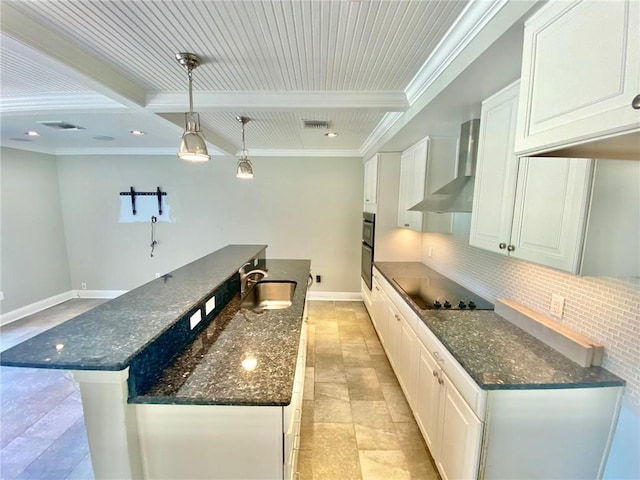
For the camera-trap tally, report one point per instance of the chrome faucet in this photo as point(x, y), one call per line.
point(246, 277)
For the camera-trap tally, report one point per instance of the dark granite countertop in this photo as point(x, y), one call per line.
point(109, 336)
point(493, 351)
point(211, 370)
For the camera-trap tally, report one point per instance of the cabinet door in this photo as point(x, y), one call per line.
point(550, 210)
point(379, 310)
point(408, 345)
point(580, 73)
point(394, 333)
point(413, 165)
point(496, 173)
point(371, 181)
point(461, 436)
point(427, 401)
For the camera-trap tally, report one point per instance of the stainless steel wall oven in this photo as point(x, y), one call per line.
point(368, 235)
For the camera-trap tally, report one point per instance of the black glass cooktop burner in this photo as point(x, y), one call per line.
point(433, 293)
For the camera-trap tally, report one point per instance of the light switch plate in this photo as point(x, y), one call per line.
point(557, 305)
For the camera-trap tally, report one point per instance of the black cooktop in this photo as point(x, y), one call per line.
point(433, 293)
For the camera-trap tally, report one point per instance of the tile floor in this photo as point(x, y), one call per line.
point(355, 421)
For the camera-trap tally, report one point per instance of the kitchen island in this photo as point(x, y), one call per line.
point(177, 345)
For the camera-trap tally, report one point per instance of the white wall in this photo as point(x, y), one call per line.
point(33, 252)
point(300, 207)
point(602, 308)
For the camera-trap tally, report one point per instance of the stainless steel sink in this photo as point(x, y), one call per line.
point(270, 295)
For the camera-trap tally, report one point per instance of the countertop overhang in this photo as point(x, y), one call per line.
point(111, 335)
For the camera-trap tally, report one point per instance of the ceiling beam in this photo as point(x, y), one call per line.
point(165, 102)
point(67, 58)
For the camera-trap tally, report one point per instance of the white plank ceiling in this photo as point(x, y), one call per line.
point(109, 66)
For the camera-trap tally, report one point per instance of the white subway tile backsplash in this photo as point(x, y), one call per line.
point(603, 308)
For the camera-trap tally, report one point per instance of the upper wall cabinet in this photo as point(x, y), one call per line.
point(580, 76)
point(564, 213)
point(424, 168)
point(371, 184)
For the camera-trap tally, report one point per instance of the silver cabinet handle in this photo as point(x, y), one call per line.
point(406, 224)
point(511, 248)
point(635, 103)
point(440, 381)
point(397, 317)
point(435, 374)
point(502, 245)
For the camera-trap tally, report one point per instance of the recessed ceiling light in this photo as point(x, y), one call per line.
point(137, 132)
point(331, 134)
point(32, 133)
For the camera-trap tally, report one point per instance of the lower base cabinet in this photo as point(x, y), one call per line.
point(492, 434)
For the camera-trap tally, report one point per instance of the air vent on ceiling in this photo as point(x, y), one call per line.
point(316, 124)
point(60, 125)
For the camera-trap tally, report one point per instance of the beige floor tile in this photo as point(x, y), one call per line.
point(375, 429)
point(383, 465)
point(309, 383)
point(335, 453)
point(397, 403)
point(358, 424)
point(356, 355)
point(419, 461)
point(363, 383)
point(305, 468)
point(351, 334)
point(331, 403)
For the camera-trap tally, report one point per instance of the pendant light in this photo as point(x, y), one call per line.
point(245, 169)
point(192, 147)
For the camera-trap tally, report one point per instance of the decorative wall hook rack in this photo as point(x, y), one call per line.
point(159, 193)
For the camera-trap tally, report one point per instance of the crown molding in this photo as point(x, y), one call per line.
point(89, 101)
point(166, 102)
point(383, 126)
point(303, 153)
point(475, 17)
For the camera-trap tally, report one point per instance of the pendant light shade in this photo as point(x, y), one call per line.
point(245, 169)
point(193, 147)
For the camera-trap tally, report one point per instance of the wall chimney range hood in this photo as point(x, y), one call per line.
point(457, 195)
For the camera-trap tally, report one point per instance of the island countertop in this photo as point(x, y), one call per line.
point(494, 352)
point(244, 356)
point(109, 336)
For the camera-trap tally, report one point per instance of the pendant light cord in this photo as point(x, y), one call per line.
point(189, 74)
point(153, 234)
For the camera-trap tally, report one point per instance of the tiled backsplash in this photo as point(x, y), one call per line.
point(602, 308)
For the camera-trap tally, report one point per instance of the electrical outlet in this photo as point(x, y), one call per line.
point(210, 306)
point(195, 319)
point(83, 286)
point(557, 305)
point(318, 278)
point(157, 275)
point(430, 253)
point(1, 296)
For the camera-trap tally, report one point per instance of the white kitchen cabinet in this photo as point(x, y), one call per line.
point(425, 167)
point(529, 208)
point(379, 309)
point(371, 184)
point(451, 429)
point(401, 349)
point(475, 433)
point(580, 74)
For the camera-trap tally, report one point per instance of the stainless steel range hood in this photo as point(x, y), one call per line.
point(457, 195)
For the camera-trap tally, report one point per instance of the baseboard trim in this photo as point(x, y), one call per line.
point(335, 296)
point(35, 307)
point(98, 293)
